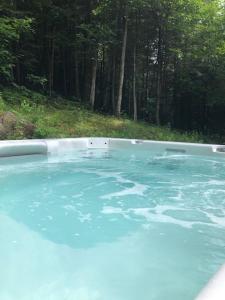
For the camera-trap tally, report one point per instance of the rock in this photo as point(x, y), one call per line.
point(3, 132)
point(13, 127)
point(28, 130)
point(9, 121)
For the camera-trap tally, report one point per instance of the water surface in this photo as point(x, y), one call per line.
point(115, 225)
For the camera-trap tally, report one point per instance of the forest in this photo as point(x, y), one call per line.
point(158, 61)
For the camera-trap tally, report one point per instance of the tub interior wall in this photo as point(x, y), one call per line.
point(26, 147)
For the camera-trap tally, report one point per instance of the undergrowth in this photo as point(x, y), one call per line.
point(58, 118)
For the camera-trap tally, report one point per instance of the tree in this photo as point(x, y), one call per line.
point(122, 62)
point(10, 30)
point(161, 61)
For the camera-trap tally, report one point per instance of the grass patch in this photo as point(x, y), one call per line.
point(58, 118)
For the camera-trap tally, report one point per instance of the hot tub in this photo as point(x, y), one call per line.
point(99, 218)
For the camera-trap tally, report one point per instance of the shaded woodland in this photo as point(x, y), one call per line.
point(161, 61)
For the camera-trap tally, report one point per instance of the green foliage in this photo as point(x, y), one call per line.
point(20, 94)
point(2, 103)
point(37, 81)
point(31, 107)
point(10, 30)
point(65, 119)
point(50, 46)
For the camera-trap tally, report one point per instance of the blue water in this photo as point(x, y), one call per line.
point(110, 225)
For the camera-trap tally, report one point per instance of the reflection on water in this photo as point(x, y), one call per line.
point(108, 225)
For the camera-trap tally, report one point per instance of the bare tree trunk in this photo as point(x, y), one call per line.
point(113, 82)
point(64, 72)
point(18, 72)
point(159, 78)
point(134, 70)
point(107, 88)
point(122, 66)
point(87, 73)
point(134, 86)
point(93, 82)
point(77, 81)
point(158, 101)
point(51, 63)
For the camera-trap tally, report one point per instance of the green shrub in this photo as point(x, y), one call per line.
point(2, 104)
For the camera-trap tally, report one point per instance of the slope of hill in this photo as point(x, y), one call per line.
point(27, 114)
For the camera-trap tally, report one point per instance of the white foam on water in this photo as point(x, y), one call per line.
point(137, 189)
point(167, 156)
point(158, 214)
point(109, 210)
point(179, 196)
point(150, 214)
point(82, 217)
point(219, 221)
point(81, 194)
point(216, 182)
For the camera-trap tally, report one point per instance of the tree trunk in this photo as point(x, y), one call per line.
point(107, 89)
point(93, 82)
point(77, 79)
point(64, 73)
point(159, 78)
point(51, 64)
point(134, 85)
point(122, 66)
point(18, 72)
point(134, 69)
point(113, 82)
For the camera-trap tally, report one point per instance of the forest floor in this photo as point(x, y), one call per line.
point(60, 118)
